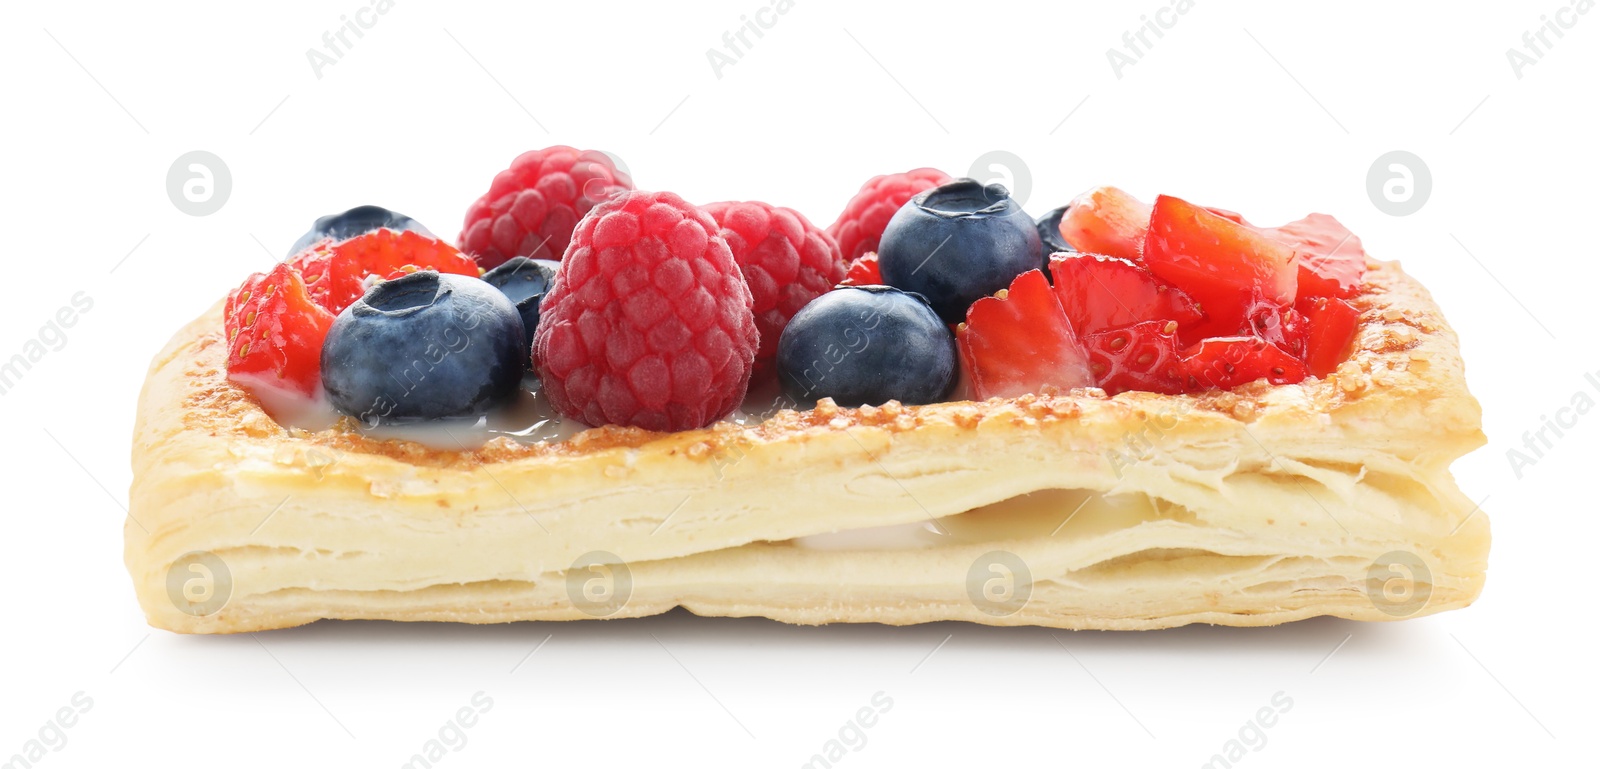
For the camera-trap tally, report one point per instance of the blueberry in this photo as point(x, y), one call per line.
point(525, 282)
point(957, 243)
point(356, 221)
point(1050, 233)
point(424, 346)
point(867, 345)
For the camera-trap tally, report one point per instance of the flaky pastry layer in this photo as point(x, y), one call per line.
point(1252, 507)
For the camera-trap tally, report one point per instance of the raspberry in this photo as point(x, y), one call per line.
point(649, 323)
point(859, 227)
point(532, 206)
point(786, 260)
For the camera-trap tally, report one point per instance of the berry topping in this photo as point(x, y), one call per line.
point(337, 274)
point(863, 272)
point(1050, 232)
point(867, 345)
point(1221, 264)
point(1102, 292)
point(531, 207)
point(276, 321)
point(649, 323)
point(784, 258)
point(525, 282)
point(859, 228)
point(1143, 356)
point(638, 309)
point(1229, 361)
point(1282, 326)
point(957, 243)
point(275, 330)
point(1019, 341)
point(424, 346)
point(356, 221)
point(1332, 261)
point(1106, 220)
point(1333, 324)
point(1231, 216)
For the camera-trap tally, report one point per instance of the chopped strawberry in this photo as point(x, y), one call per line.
point(1102, 292)
point(276, 321)
point(275, 330)
point(1333, 324)
point(336, 273)
point(1229, 361)
point(1332, 261)
point(1284, 327)
point(1106, 220)
point(1229, 215)
point(1019, 341)
point(1221, 264)
point(863, 271)
point(1141, 356)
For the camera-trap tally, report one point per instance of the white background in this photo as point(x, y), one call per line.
point(1264, 108)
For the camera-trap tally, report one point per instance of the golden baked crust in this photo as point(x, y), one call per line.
point(1252, 507)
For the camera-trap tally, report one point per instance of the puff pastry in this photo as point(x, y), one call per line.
point(1252, 507)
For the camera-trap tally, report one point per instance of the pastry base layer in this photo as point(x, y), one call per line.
point(1253, 507)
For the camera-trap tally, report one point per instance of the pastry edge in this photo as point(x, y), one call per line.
point(196, 440)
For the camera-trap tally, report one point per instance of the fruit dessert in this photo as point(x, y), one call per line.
point(612, 402)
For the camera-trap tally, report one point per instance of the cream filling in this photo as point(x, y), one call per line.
point(1048, 513)
point(528, 418)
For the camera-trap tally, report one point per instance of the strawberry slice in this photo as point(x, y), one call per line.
point(1285, 327)
point(1106, 220)
point(1333, 324)
point(1221, 264)
point(275, 331)
point(1019, 341)
point(1141, 356)
point(1332, 261)
point(1230, 216)
point(863, 271)
point(336, 273)
point(1229, 361)
point(1103, 292)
